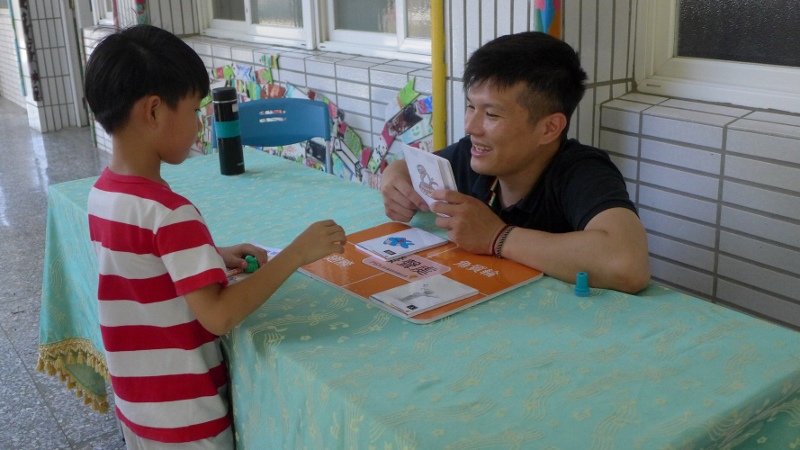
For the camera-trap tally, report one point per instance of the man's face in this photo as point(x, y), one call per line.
point(504, 139)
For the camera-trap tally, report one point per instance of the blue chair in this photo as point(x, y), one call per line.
point(272, 122)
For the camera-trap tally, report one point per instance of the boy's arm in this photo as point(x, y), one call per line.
point(219, 309)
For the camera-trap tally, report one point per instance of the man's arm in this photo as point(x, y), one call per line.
point(400, 200)
point(612, 248)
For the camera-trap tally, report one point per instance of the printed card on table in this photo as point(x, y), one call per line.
point(428, 171)
point(409, 268)
point(401, 243)
point(422, 295)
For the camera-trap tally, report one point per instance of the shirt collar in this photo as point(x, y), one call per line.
point(487, 189)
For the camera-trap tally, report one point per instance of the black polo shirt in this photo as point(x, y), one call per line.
point(580, 182)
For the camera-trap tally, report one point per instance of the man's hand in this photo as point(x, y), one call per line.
point(470, 223)
point(400, 200)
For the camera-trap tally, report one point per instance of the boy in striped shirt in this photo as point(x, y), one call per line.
point(163, 292)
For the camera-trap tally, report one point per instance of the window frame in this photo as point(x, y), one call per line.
point(658, 72)
point(388, 45)
point(318, 33)
point(233, 29)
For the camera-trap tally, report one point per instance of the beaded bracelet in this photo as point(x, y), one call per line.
point(494, 241)
point(500, 240)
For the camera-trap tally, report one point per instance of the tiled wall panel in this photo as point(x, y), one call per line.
point(682, 277)
point(45, 68)
point(682, 131)
point(619, 143)
point(685, 254)
point(10, 82)
point(761, 199)
point(678, 228)
point(719, 194)
point(759, 251)
point(774, 229)
point(763, 304)
point(678, 204)
point(679, 180)
point(588, 26)
point(682, 156)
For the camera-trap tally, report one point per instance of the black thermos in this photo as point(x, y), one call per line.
point(226, 127)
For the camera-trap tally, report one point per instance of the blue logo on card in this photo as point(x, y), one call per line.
point(395, 241)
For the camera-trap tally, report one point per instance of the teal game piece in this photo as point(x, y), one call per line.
point(252, 264)
point(582, 284)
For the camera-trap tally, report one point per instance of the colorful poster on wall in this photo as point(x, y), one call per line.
point(408, 119)
point(547, 17)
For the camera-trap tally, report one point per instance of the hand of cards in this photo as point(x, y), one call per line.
point(428, 172)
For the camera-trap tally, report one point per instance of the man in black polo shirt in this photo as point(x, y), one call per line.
point(525, 192)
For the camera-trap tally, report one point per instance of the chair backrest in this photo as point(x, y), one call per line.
point(271, 122)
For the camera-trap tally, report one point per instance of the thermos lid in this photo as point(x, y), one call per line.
point(224, 94)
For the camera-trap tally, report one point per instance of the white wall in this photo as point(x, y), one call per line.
point(10, 81)
point(598, 31)
point(718, 189)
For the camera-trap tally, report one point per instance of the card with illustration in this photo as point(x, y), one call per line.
point(401, 243)
point(428, 172)
point(409, 268)
point(422, 295)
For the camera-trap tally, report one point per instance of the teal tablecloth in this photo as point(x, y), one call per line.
point(536, 368)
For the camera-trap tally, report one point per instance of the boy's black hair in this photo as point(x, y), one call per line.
point(548, 66)
point(138, 61)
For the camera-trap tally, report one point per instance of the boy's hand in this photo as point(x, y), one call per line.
point(320, 239)
point(234, 255)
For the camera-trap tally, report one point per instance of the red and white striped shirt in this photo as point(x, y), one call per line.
point(153, 247)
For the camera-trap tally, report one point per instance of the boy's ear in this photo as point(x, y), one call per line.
point(554, 125)
point(146, 110)
point(154, 106)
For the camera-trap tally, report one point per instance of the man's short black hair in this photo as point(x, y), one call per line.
point(138, 61)
point(548, 66)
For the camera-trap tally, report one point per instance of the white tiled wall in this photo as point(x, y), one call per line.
point(10, 82)
point(177, 16)
point(90, 39)
point(43, 62)
point(718, 188)
point(599, 32)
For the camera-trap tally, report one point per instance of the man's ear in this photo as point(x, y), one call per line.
point(554, 125)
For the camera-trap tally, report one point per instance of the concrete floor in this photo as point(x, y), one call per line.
point(37, 411)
